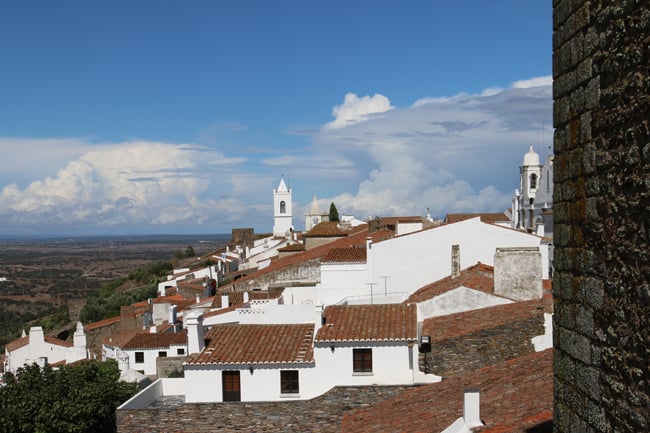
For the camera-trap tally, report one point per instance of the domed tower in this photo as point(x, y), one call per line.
point(535, 194)
point(282, 216)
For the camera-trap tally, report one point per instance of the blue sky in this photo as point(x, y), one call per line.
point(181, 117)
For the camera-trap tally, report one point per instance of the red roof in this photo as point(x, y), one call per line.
point(358, 239)
point(24, 341)
point(345, 255)
point(386, 322)
point(477, 277)
point(514, 396)
point(455, 325)
point(147, 340)
point(257, 344)
point(102, 323)
point(328, 229)
point(489, 218)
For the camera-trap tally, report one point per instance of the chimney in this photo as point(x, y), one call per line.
point(472, 408)
point(246, 299)
point(79, 338)
point(225, 301)
point(195, 335)
point(455, 261)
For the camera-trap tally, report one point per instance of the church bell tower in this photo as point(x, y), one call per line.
point(282, 205)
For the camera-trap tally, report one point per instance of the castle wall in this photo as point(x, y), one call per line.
point(602, 215)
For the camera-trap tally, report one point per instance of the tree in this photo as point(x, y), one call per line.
point(76, 398)
point(334, 214)
point(189, 251)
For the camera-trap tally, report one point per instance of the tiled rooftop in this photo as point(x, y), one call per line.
point(24, 341)
point(477, 277)
point(130, 340)
point(386, 322)
point(490, 218)
point(345, 255)
point(514, 396)
point(358, 239)
point(455, 325)
point(257, 344)
point(328, 229)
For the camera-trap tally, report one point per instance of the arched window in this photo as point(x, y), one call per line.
point(283, 207)
point(533, 181)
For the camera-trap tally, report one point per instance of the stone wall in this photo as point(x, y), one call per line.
point(302, 271)
point(322, 414)
point(601, 64)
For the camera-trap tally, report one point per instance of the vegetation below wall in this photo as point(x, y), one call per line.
point(76, 398)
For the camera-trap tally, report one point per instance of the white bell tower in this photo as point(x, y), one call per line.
point(282, 205)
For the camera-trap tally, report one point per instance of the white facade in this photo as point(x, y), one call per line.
point(315, 216)
point(393, 363)
point(415, 260)
point(456, 301)
point(535, 192)
point(282, 210)
point(36, 348)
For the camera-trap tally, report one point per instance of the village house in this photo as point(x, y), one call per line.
point(139, 350)
point(44, 350)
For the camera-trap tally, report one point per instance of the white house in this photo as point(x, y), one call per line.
point(358, 345)
point(416, 259)
point(43, 350)
point(141, 349)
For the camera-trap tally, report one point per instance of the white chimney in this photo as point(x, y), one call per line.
point(472, 408)
point(195, 335)
point(246, 298)
point(225, 301)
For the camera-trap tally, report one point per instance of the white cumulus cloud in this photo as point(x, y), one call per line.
point(126, 183)
point(358, 109)
point(457, 153)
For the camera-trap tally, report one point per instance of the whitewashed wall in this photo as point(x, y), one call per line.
point(420, 258)
point(393, 364)
point(456, 301)
point(37, 348)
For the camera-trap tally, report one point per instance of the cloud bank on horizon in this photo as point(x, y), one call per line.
point(449, 154)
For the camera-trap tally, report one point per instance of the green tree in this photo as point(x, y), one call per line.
point(334, 213)
point(76, 398)
point(189, 251)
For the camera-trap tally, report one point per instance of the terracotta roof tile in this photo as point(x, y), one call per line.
point(455, 325)
point(257, 344)
point(146, 340)
point(102, 323)
point(24, 341)
point(345, 255)
point(292, 248)
point(514, 396)
point(477, 277)
point(386, 322)
point(327, 229)
point(490, 218)
point(357, 239)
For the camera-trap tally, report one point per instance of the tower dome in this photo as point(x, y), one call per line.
point(531, 157)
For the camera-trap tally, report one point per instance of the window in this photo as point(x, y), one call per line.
point(139, 357)
point(180, 351)
point(283, 207)
point(362, 360)
point(162, 354)
point(533, 181)
point(231, 386)
point(289, 382)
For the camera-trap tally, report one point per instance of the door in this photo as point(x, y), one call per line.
point(231, 386)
